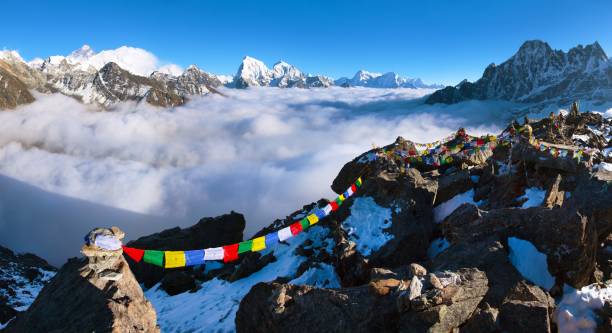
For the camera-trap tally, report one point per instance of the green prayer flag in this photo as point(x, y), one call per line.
point(154, 257)
point(305, 223)
point(245, 246)
point(339, 202)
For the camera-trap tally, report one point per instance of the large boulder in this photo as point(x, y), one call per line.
point(94, 294)
point(410, 197)
point(208, 232)
point(527, 308)
point(566, 236)
point(274, 307)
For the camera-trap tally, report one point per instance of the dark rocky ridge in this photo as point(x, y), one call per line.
point(537, 73)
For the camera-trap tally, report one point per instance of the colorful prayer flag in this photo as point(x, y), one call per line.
point(135, 254)
point(154, 257)
point(320, 213)
point(341, 197)
point(333, 205)
point(327, 209)
point(259, 243)
point(353, 188)
point(358, 182)
point(312, 218)
point(230, 253)
point(305, 223)
point(214, 253)
point(284, 234)
point(296, 228)
point(271, 239)
point(339, 202)
point(245, 246)
point(194, 257)
point(174, 259)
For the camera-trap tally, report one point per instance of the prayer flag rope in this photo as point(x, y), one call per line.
point(229, 253)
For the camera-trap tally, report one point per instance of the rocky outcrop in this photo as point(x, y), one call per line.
point(93, 294)
point(13, 91)
point(208, 232)
point(22, 276)
point(275, 307)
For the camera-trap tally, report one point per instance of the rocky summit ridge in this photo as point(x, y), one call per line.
point(536, 74)
point(513, 233)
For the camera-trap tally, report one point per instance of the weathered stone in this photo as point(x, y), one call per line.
point(526, 309)
point(415, 288)
point(483, 320)
point(417, 270)
point(434, 281)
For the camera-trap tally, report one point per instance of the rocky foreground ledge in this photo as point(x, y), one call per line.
point(513, 239)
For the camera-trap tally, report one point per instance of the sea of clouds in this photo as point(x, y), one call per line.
point(265, 152)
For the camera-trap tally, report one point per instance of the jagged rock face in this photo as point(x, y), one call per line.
point(13, 91)
point(22, 276)
point(537, 73)
point(208, 232)
point(85, 297)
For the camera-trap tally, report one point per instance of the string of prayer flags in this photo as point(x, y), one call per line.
point(229, 253)
point(174, 259)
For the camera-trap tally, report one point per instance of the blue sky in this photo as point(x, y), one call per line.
point(439, 41)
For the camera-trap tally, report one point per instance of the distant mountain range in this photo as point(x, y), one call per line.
point(535, 75)
point(538, 74)
point(109, 77)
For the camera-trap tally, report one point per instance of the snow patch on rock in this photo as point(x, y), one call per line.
point(323, 276)
point(530, 262)
point(534, 195)
point(575, 311)
point(366, 224)
point(444, 209)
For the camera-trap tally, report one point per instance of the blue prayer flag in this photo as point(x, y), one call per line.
point(195, 257)
point(319, 213)
point(271, 239)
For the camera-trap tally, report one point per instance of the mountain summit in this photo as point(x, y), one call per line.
point(537, 73)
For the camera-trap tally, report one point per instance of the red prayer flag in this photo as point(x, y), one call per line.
point(135, 254)
point(230, 253)
point(480, 142)
point(354, 188)
point(296, 228)
point(334, 205)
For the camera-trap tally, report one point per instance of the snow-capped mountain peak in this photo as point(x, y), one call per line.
point(252, 72)
point(81, 54)
point(368, 79)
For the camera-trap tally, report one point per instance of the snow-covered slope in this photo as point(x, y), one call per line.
point(387, 80)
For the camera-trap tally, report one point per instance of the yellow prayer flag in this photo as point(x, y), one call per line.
point(174, 259)
point(259, 243)
point(341, 197)
point(312, 218)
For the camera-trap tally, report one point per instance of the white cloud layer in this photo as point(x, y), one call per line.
point(262, 152)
